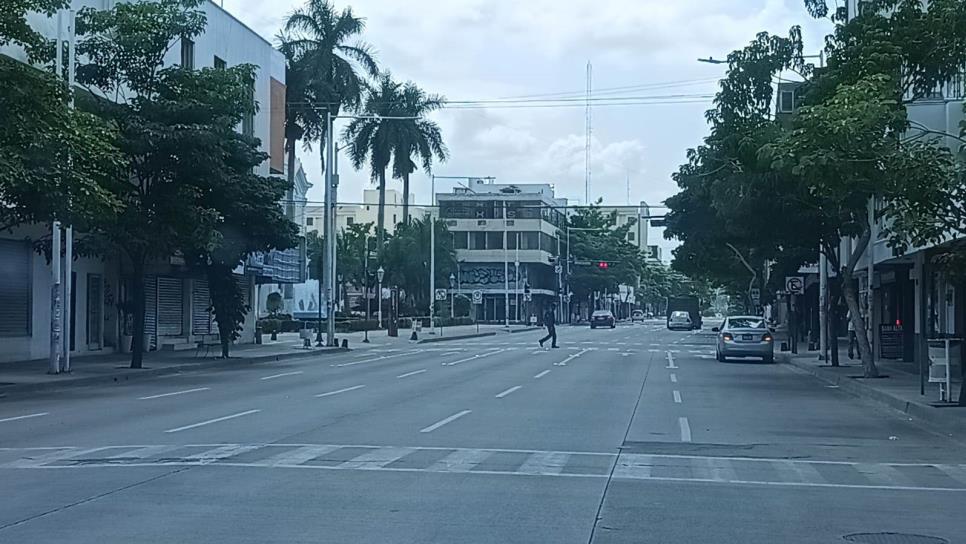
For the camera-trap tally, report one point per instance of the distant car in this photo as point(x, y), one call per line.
point(744, 336)
point(637, 315)
point(602, 318)
point(680, 320)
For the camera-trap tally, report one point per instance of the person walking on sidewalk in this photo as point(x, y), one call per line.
point(853, 341)
point(550, 321)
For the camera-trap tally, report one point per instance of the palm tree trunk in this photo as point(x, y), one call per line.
point(405, 199)
point(381, 217)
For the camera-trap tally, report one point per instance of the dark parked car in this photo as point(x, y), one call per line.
point(602, 318)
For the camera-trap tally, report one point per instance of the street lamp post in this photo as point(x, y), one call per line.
point(380, 273)
point(452, 284)
point(365, 283)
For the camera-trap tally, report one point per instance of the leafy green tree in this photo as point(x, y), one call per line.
point(191, 189)
point(596, 236)
point(373, 138)
point(55, 163)
point(406, 260)
point(421, 137)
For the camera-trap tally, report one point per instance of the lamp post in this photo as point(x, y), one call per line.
point(452, 284)
point(380, 274)
point(365, 281)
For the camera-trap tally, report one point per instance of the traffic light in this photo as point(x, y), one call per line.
point(602, 265)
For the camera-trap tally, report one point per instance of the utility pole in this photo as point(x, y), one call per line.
point(823, 304)
point(331, 240)
point(327, 254)
point(506, 274)
point(516, 276)
point(55, 285)
point(69, 232)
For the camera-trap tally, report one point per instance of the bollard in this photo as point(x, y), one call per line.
point(345, 343)
point(413, 336)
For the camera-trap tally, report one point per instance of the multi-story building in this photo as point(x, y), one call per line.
point(177, 301)
point(636, 215)
point(366, 212)
point(507, 240)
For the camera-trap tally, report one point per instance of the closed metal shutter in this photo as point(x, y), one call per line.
point(151, 311)
point(14, 288)
point(200, 301)
point(170, 307)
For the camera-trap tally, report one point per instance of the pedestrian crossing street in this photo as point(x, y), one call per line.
point(628, 466)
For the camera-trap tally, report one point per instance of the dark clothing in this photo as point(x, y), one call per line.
point(550, 320)
point(853, 345)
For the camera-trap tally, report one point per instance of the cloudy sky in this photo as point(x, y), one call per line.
point(489, 49)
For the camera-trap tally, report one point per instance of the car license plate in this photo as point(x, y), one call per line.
point(746, 337)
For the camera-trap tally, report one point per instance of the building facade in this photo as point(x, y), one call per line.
point(177, 300)
point(507, 239)
point(366, 212)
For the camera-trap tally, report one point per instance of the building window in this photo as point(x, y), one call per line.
point(460, 240)
point(15, 302)
point(477, 240)
point(394, 222)
point(494, 240)
point(187, 54)
point(220, 63)
point(630, 236)
point(350, 220)
point(529, 240)
point(511, 240)
point(309, 221)
point(548, 243)
point(786, 101)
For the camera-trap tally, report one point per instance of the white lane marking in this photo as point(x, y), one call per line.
point(508, 391)
point(380, 358)
point(654, 351)
point(613, 349)
point(210, 421)
point(377, 458)
point(957, 473)
point(28, 416)
point(677, 396)
point(299, 455)
point(685, 429)
point(547, 463)
point(883, 475)
point(571, 357)
point(444, 421)
point(674, 378)
point(460, 461)
point(272, 377)
point(413, 373)
point(542, 374)
point(627, 354)
point(670, 361)
point(336, 392)
point(473, 358)
point(175, 393)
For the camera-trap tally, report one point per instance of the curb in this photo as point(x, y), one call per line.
point(162, 371)
point(856, 388)
point(526, 329)
point(457, 337)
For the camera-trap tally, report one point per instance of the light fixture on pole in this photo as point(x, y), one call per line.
point(380, 274)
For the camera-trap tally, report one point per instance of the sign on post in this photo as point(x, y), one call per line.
point(755, 296)
point(557, 269)
point(441, 294)
point(527, 297)
point(795, 285)
point(477, 297)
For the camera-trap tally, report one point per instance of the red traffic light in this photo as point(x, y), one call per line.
point(602, 265)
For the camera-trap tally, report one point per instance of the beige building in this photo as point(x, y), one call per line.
point(367, 212)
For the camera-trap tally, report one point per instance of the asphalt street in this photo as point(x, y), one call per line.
point(634, 434)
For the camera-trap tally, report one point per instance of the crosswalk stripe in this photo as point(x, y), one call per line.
point(459, 461)
point(377, 458)
point(147, 452)
point(883, 475)
point(957, 473)
point(52, 457)
point(223, 452)
point(299, 455)
point(544, 463)
point(634, 466)
point(798, 471)
point(718, 470)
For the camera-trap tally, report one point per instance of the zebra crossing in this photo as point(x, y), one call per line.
point(623, 466)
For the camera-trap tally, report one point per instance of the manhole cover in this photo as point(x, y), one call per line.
point(893, 538)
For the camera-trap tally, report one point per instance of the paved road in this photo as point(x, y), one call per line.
point(628, 435)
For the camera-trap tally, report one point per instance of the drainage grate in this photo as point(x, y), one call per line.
point(893, 538)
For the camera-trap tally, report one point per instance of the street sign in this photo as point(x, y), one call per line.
point(557, 269)
point(386, 293)
point(441, 294)
point(795, 285)
point(755, 296)
point(477, 297)
point(581, 262)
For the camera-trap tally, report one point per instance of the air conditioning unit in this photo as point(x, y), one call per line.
point(509, 222)
point(481, 222)
point(451, 223)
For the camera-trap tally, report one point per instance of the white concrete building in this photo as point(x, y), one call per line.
point(177, 304)
point(366, 212)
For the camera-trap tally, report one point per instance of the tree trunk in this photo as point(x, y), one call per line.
point(137, 296)
point(858, 323)
point(406, 199)
point(381, 215)
point(290, 193)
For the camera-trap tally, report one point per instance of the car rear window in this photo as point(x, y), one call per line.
point(601, 313)
point(675, 315)
point(746, 323)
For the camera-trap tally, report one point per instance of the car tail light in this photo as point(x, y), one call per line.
point(727, 337)
point(767, 338)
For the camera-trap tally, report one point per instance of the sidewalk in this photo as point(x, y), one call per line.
point(899, 390)
point(26, 376)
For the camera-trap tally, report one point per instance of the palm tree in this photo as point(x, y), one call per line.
point(421, 138)
point(323, 70)
point(375, 136)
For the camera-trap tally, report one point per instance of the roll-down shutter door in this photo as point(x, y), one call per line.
point(170, 307)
